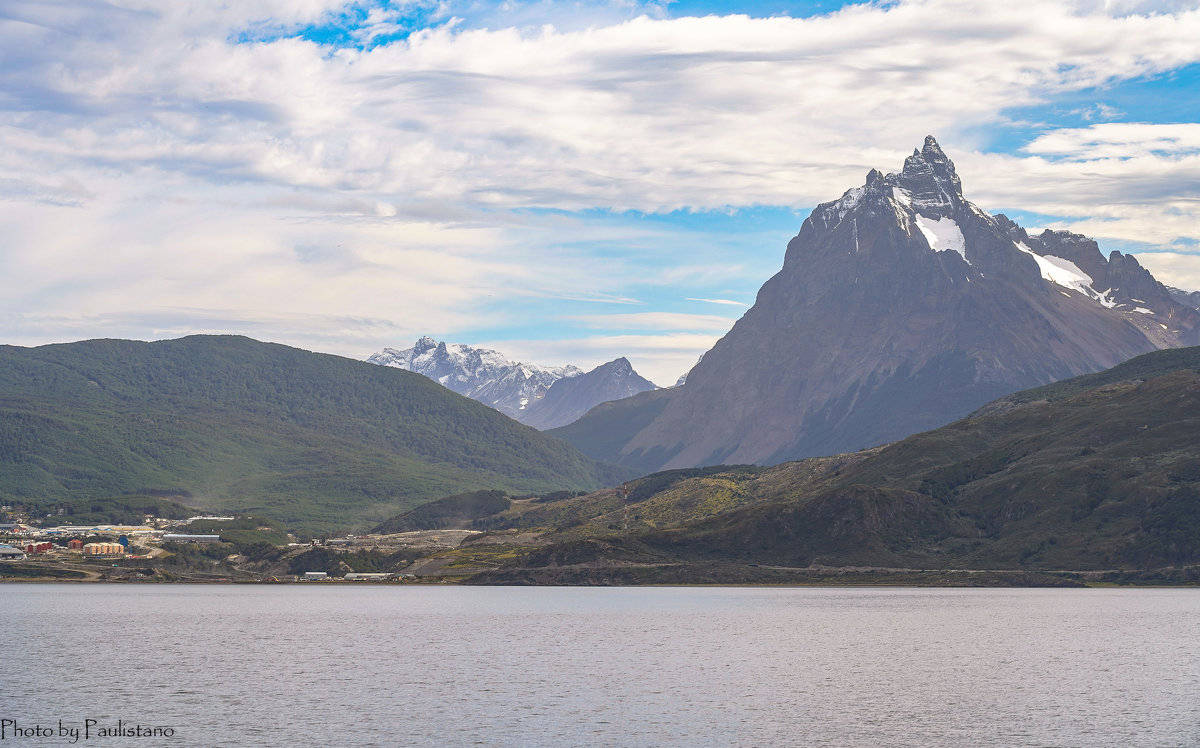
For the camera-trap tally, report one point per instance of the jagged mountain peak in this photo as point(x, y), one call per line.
point(533, 394)
point(929, 177)
point(889, 220)
point(899, 307)
point(478, 373)
point(925, 191)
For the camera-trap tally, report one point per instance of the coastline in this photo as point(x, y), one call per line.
point(709, 576)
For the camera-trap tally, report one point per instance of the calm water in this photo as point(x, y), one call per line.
point(364, 665)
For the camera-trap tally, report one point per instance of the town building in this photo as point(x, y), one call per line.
point(104, 549)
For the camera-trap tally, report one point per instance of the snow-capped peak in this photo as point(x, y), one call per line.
point(478, 373)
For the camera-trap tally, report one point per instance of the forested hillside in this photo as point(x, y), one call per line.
point(230, 423)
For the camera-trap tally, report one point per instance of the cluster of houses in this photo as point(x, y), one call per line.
point(117, 549)
point(26, 541)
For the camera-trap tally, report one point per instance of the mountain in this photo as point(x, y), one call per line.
point(540, 396)
point(227, 423)
point(900, 307)
point(1094, 474)
point(478, 373)
point(1187, 298)
point(569, 398)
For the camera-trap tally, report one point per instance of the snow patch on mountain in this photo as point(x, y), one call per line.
point(943, 235)
point(849, 201)
point(1068, 275)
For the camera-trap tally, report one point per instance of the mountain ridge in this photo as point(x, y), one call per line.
point(518, 390)
point(900, 307)
point(478, 373)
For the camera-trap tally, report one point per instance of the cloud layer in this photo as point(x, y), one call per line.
point(199, 166)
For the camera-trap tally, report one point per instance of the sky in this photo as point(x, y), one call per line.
point(565, 182)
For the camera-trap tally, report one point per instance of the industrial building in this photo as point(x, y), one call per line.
point(182, 538)
point(99, 530)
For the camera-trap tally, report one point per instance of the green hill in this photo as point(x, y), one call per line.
point(1098, 474)
point(451, 512)
point(228, 423)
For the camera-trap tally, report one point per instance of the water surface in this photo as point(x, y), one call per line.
point(387, 665)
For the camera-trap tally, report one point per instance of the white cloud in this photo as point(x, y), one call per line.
point(658, 321)
point(1136, 182)
point(1100, 111)
point(154, 168)
point(1178, 269)
point(1119, 140)
point(646, 114)
point(728, 302)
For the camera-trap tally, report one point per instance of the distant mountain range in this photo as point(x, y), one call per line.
point(541, 396)
point(900, 307)
point(571, 397)
point(478, 373)
point(231, 424)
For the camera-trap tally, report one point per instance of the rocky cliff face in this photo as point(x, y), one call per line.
point(901, 306)
point(568, 399)
point(1187, 298)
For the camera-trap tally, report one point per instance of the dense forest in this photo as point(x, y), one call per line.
point(229, 423)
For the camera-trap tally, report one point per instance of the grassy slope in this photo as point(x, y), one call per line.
point(234, 424)
point(666, 499)
point(1095, 473)
point(451, 512)
point(1136, 369)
